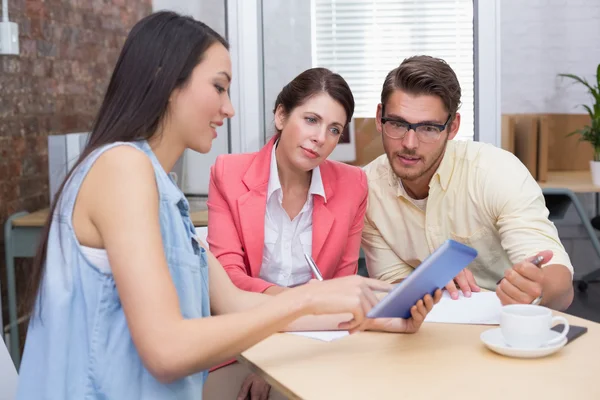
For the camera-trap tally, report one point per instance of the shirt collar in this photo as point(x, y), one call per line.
point(444, 171)
point(394, 182)
point(316, 181)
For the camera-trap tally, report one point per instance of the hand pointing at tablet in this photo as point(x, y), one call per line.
point(355, 296)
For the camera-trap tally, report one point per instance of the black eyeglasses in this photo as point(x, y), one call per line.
point(427, 132)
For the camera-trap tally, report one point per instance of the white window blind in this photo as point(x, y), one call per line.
point(363, 40)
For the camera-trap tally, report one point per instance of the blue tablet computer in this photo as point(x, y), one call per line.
point(435, 272)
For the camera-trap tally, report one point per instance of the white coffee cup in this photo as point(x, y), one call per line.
point(528, 326)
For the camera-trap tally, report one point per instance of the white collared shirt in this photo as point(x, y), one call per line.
point(287, 240)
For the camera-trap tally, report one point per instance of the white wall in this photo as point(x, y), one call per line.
point(187, 7)
point(287, 48)
point(194, 168)
point(540, 39)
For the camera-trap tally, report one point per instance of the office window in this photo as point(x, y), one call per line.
point(363, 40)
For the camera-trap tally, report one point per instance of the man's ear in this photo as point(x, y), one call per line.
point(280, 117)
point(454, 126)
point(378, 118)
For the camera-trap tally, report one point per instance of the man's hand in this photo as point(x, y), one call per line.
point(523, 283)
point(254, 388)
point(463, 281)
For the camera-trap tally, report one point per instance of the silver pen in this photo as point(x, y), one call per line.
point(536, 261)
point(313, 267)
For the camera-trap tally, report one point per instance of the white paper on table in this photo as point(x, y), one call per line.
point(326, 336)
point(482, 308)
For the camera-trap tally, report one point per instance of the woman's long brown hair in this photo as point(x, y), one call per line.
point(158, 56)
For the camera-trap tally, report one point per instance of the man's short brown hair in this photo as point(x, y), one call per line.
point(424, 75)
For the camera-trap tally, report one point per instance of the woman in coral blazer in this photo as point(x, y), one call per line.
point(267, 209)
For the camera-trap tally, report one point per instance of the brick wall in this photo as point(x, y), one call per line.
point(68, 49)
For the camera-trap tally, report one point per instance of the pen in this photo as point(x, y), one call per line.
point(536, 261)
point(313, 267)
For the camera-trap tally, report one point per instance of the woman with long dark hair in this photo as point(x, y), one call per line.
point(121, 289)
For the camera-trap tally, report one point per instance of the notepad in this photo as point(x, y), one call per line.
point(326, 336)
point(481, 308)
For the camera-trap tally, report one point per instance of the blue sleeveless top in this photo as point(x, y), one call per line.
point(80, 346)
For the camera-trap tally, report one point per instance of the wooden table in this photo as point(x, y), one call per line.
point(21, 237)
point(38, 219)
point(441, 361)
point(576, 181)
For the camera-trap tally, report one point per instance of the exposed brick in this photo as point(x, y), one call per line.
point(12, 84)
point(7, 108)
point(18, 145)
point(13, 171)
point(16, 7)
point(29, 188)
point(54, 86)
point(4, 151)
point(34, 8)
point(11, 65)
point(3, 185)
point(47, 30)
point(69, 123)
point(47, 49)
point(35, 26)
point(31, 124)
point(28, 47)
point(38, 68)
point(24, 29)
point(10, 192)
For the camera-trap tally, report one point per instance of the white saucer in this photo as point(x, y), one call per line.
point(494, 340)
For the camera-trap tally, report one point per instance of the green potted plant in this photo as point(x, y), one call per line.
point(591, 133)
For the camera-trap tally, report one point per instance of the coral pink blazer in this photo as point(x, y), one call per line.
point(237, 201)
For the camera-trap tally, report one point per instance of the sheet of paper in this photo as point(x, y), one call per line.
point(326, 336)
point(481, 308)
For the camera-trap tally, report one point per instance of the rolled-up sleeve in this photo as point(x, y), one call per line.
point(382, 262)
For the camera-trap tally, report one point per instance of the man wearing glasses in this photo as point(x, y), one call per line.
point(428, 188)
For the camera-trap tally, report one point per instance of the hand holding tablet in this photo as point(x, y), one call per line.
point(433, 273)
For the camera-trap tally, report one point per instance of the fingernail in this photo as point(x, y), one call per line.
point(454, 295)
point(467, 294)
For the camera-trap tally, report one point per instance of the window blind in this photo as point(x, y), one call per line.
point(363, 40)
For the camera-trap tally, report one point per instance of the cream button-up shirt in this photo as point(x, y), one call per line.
point(480, 195)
